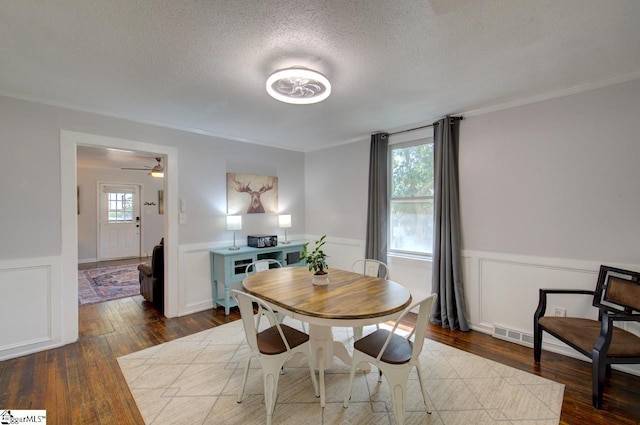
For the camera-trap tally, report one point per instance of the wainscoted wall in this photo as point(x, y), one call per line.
point(196, 293)
point(30, 290)
point(502, 294)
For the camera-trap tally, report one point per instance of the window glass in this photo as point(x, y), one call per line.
point(411, 200)
point(120, 207)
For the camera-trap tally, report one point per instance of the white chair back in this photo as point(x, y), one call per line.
point(370, 267)
point(245, 304)
point(418, 331)
point(261, 265)
point(271, 361)
point(396, 372)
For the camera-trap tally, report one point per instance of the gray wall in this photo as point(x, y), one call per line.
point(30, 176)
point(558, 178)
point(336, 190)
point(151, 220)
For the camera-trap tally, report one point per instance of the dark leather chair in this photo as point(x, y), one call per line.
point(151, 276)
point(617, 298)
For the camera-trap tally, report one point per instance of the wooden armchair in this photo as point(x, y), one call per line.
point(617, 297)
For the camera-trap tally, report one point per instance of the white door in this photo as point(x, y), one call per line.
point(119, 221)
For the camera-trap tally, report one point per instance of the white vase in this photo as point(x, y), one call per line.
point(320, 279)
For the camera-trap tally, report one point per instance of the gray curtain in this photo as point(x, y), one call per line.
point(449, 310)
point(377, 211)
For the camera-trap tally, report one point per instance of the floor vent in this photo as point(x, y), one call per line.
point(510, 335)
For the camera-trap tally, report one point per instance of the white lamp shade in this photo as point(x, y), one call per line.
point(284, 220)
point(234, 222)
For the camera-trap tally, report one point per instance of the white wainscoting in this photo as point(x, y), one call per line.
point(30, 306)
point(502, 291)
point(195, 292)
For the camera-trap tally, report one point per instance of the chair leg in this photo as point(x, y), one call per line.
point(321, 376)
point(354, 366)
point(244, 379)
point(598, 373)
point(398, 399)
point(313, 374)
point(537, 341)
point(270, 393)
point(422, 388)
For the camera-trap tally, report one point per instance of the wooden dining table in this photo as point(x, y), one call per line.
point(348, 300)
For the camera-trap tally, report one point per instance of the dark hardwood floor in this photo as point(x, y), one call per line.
point(81, 383)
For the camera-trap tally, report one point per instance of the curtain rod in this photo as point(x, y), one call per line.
point(453, 119)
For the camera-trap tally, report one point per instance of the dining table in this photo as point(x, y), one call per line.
point(346, 299)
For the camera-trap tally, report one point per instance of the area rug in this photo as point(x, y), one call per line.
point(195, 380)
point(107, 283)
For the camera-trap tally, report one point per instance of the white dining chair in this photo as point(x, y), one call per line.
point(369, 267)
point(257, 267)
point(260, 266)
point(394, 356)
point(271, 347)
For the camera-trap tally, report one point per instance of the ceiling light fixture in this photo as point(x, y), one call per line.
point(157, 171)
point(300, 86)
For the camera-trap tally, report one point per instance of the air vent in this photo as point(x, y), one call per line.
point(502, 332)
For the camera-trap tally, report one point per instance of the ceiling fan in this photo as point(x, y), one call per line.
point(156, 171)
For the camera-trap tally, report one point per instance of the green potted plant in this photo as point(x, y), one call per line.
point(316, 259)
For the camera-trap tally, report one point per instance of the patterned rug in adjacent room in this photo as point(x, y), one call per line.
point(195, 380)
point(107, 283)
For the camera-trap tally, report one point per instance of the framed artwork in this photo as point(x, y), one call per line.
point(161, 202)
point(251, 194)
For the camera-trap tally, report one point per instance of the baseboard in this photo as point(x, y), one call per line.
point(195, 308)
point(87, 260)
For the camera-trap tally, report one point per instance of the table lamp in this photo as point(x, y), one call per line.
point(234, 222)
point(284, 221)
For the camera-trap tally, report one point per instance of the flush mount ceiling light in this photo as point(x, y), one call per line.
point(298, 85)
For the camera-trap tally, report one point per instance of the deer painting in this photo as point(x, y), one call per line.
point(242, 183)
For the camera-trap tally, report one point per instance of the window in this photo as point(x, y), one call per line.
point(120, 207)
point(411, 197)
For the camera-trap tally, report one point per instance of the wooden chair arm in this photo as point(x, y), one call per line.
point(542, 303)
point(567, 291)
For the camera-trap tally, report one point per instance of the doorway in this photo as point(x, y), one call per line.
point(69, 141)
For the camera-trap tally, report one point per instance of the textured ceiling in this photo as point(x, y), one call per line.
point(202, 65)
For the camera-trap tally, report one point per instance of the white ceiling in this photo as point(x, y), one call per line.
point(97, 157)
point(202, 65)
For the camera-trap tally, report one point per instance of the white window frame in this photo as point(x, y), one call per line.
point(418, 139)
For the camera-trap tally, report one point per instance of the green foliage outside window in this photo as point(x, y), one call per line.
point(411, 206)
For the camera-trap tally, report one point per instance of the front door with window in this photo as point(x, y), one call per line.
point(119, 221)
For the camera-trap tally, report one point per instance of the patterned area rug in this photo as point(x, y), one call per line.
point(195, 380)
point(107, 283)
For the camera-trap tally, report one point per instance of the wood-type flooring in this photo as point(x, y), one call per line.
point(81, 383)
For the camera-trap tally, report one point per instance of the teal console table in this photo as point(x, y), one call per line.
point(228, 266)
